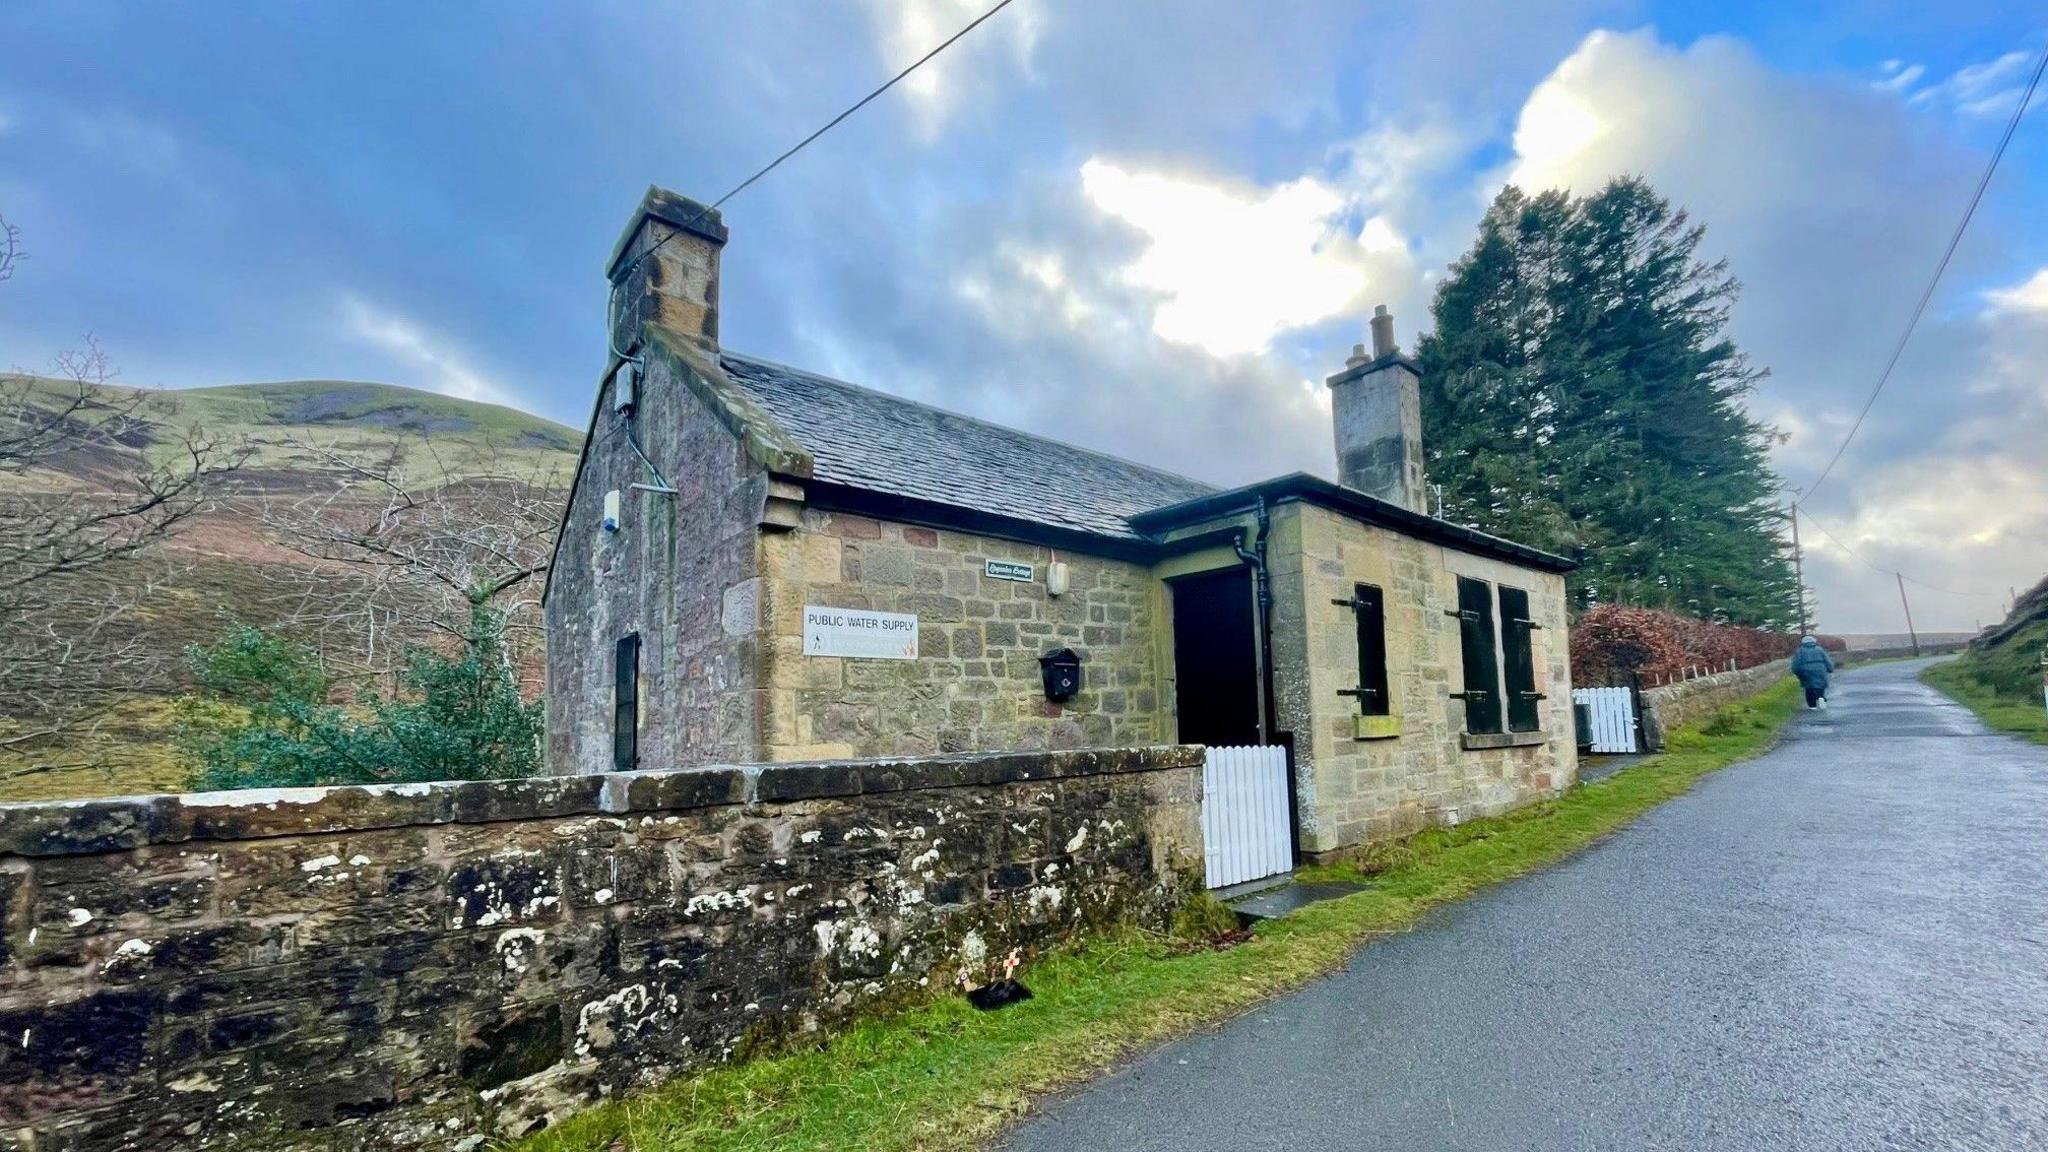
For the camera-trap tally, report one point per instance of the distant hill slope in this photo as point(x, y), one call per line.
point(224, 566)
point(436, 436)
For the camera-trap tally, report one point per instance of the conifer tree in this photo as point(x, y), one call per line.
point(1579, 394)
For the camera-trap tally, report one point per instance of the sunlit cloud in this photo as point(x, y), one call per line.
point(1231, 268)
point(2029, 296)
point(907, 29)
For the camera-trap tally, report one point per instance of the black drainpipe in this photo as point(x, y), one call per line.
point(1262, 584)
point(1263, 593)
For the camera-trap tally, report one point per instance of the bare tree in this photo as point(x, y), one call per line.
point(403, 552)
point(10, 247)
point(83, 507)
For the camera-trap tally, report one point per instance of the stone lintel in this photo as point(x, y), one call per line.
point(116, 824)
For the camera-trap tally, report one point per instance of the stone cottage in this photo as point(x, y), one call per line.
point(760, 563)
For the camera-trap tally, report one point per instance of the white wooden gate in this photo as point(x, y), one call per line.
point(1612, 716)
point(1245, 829)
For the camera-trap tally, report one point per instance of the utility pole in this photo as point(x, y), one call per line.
point(1798, 570)
point(1910, 633)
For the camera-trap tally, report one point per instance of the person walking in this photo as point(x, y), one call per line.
point(1811, 665)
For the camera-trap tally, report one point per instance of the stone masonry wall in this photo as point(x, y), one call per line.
point(976, 682)
point(1673, 706)
point(1353, 790)
point(435, 966)
point(669, 574)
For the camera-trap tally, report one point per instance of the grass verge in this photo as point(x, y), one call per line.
point(2023, 716)
point(943, 1076)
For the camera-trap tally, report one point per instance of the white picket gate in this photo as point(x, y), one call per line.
point(1612, 715)
point(1246, 833)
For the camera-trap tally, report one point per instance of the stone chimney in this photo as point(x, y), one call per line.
point(1376, 405)
point(675, 287)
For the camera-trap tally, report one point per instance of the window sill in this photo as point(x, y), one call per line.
point(1375, 727)
point(1476, 741)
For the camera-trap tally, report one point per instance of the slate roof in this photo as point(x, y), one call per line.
point(876, 442)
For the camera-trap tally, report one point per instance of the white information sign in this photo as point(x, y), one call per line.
point(859, 634)
point(1007, 570)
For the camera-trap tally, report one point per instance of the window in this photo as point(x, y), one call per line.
point(1476, 644)
point(1370, 606)
point(1518, 660)
point(626, 703)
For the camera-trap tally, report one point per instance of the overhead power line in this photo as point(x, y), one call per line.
point(1876, 567)
point(800, 145)
point(1948, 254)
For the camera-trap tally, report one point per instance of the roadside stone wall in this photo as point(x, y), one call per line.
point(976, 681)
point(1673, 706)
point(435, 966)
point(1353, 790)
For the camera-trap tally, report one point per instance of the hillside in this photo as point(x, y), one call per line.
point(302, 440)
point(1999, 675)
point(2007, 657)
point(433, 435)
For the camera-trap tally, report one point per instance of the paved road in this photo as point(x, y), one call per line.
point(1841, 945)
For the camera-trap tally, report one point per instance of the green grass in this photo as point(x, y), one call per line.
point(942, 1076)
point(2022, 715)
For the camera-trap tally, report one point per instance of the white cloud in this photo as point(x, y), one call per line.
point(437, 364)
point(1989, 89)
point(1233, 267)
point(1898, 77)
point(1818, 193)
point(2029, 296)
point(907, 29)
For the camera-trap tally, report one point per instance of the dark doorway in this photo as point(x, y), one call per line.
point(1216, 659)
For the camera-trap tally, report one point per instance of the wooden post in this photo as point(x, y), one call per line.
point(1910, 633)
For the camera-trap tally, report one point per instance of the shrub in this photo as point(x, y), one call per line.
point(264, 715)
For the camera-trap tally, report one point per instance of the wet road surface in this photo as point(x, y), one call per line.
point(1840, 945)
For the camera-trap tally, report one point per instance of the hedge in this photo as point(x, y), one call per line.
point(1613, 640)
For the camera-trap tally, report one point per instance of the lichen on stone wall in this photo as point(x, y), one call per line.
point(412, 984)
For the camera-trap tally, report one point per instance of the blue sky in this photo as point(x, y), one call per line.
point(1151, 228)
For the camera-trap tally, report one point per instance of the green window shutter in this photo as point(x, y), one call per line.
point(1476, 644)
point(626, 703)
point(1518, 651)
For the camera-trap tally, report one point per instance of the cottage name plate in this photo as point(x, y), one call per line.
point(859, 634)
point(1007, 570)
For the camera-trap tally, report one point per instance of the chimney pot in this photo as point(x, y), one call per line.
point(1383, 333)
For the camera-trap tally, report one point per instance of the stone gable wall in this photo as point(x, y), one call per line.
point(976, 682)
point(680, 572)
point(1350, 790)
point(429, 966)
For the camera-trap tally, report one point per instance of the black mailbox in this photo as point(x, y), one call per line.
point(1062, 668)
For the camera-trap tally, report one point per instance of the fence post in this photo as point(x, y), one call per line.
point(1635, 705)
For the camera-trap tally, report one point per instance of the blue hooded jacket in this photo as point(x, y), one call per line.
point(1811, 664)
